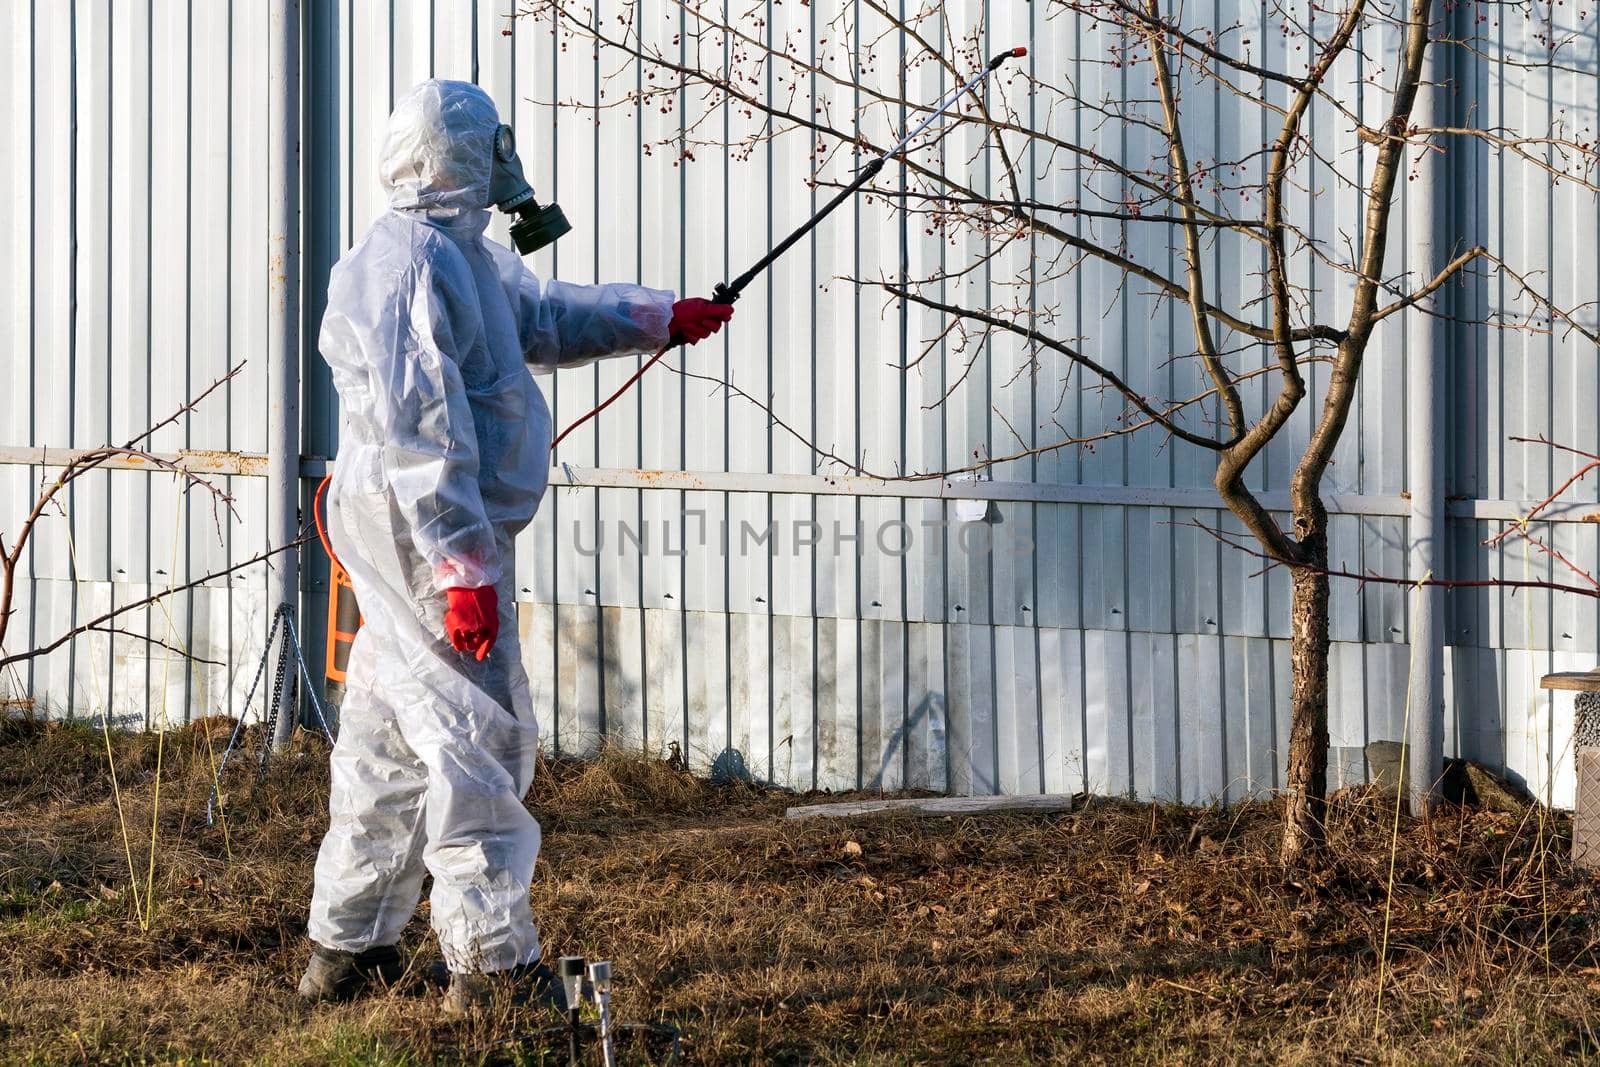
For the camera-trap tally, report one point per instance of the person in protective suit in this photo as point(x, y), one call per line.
point(430, 330)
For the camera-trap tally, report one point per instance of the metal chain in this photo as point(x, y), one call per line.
point(269, 729)
point(282, 695)
point(292, 634)
point(238, 727)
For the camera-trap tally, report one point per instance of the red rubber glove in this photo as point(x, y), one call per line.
point(472, 619)
point(695, 319)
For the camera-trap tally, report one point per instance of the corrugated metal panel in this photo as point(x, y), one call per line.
point(135, 146)
point(815, 639)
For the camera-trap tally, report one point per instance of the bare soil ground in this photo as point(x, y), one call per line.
point(1120, 933)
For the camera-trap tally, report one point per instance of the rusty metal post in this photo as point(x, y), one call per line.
point(283, 331)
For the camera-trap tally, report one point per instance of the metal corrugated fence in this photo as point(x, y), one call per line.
point(134, 273)
point(760, 611)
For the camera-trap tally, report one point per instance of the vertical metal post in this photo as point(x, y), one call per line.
point(1426, 198)
point(283, 331)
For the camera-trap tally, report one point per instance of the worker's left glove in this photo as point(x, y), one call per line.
point(695, 319)
point(472, 620)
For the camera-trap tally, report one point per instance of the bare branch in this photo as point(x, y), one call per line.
point(149, 640)
point(99, 622)
point(1195, 291)
point(1237, 459)
point(1105, 373)
point(1305, 486)
point(1451, 269)
point(1371, 578)
point(1592, 462)
point(1012, 208)
point(187, 407)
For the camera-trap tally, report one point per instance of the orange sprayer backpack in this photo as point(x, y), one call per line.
point(344, 614)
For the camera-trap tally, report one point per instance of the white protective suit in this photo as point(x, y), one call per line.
point(430, 329)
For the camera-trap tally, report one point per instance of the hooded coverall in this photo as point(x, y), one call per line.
point(430, 330)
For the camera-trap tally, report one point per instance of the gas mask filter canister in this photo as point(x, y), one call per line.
point(532, 227)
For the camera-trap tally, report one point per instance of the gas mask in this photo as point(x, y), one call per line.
point(533, 226)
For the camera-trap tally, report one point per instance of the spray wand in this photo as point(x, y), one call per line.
point(729, 292)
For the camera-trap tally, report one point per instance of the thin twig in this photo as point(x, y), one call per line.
point(1373, 578)
point(261, 557)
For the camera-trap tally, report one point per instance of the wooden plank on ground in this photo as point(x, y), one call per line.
point(986, 805)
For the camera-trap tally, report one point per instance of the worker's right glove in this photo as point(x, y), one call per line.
point(695, 319)
point(472, 620)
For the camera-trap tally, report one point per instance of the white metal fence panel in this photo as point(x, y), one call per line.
point(1079, 633)
point(133, 158)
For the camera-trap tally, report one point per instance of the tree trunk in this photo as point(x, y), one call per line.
point(1306, 797)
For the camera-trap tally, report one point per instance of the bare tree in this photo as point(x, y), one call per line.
point(48, 503)
point(1359, 64)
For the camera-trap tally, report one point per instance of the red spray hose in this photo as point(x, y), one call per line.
point(651, 362)
point(344, 612)
point(318, 508)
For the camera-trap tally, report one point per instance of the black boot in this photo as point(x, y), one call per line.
point(336, 975)
point(530, 984)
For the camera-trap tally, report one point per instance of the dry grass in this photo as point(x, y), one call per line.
point(1121, 933)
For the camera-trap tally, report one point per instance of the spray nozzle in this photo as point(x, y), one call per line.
point(1013, 53)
